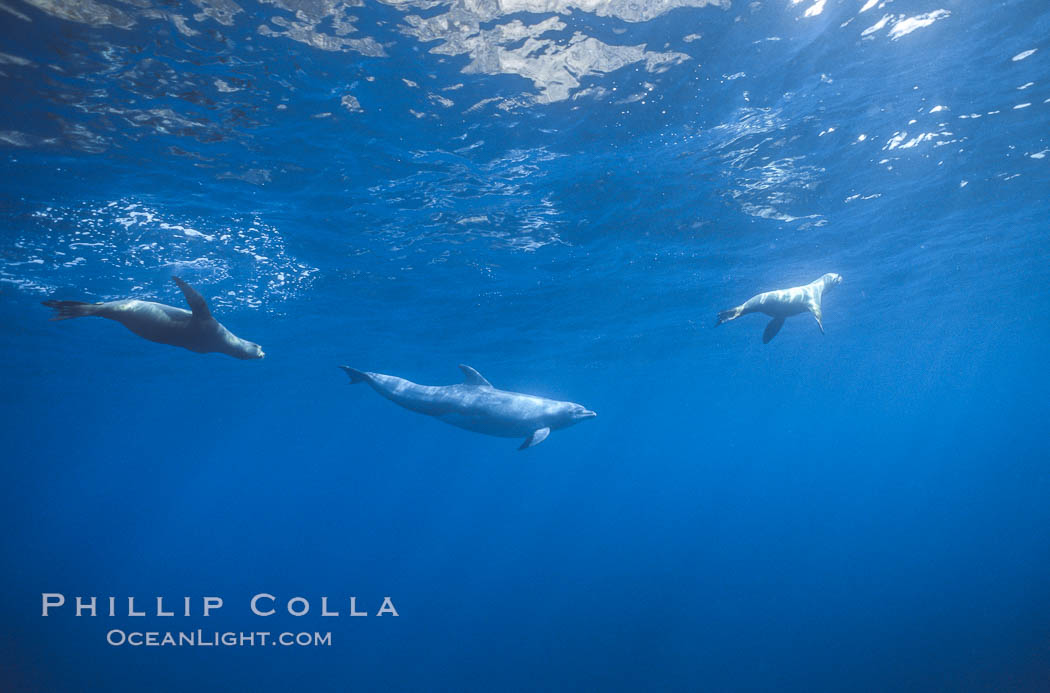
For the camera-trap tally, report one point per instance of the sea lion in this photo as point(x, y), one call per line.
point(193, 329)
point(477, 406)
point(783, 304)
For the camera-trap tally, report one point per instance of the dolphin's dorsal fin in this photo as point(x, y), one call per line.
point(195, 300)
point(472, 377)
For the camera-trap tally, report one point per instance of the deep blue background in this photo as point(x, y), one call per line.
point(862, 511)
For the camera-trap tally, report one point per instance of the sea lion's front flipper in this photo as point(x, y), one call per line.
point(472, 377)
point(771, 329)
point(196, 301)
point(818, 315)
point(536, 438)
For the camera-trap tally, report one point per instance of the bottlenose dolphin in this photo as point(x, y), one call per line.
point(193, 329)
point(783, 304)
point(477, 406)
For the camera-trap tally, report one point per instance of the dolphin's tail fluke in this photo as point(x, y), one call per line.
point(727, 315)
point(64, 310)
point(356, 376)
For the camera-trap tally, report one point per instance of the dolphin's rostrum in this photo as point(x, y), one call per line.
point(477, 406)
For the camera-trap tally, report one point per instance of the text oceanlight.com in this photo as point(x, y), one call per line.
point(200, 638)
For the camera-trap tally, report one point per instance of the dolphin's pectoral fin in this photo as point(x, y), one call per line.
point(537, 437)
point(771, 329)
point(472, 377)
point(194, 299)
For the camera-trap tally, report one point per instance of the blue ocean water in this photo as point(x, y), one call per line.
point(561, 194)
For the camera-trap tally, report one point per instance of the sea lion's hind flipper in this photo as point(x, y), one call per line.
point(771, 329)
point(727, 315)
point(356, 376)
point(65, 310)
point(537, 437)
point(194, 299)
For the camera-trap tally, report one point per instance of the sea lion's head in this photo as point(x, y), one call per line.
point(253, 351)
point(241, 348)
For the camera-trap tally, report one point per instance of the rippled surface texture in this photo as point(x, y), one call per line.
point(562, 194)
